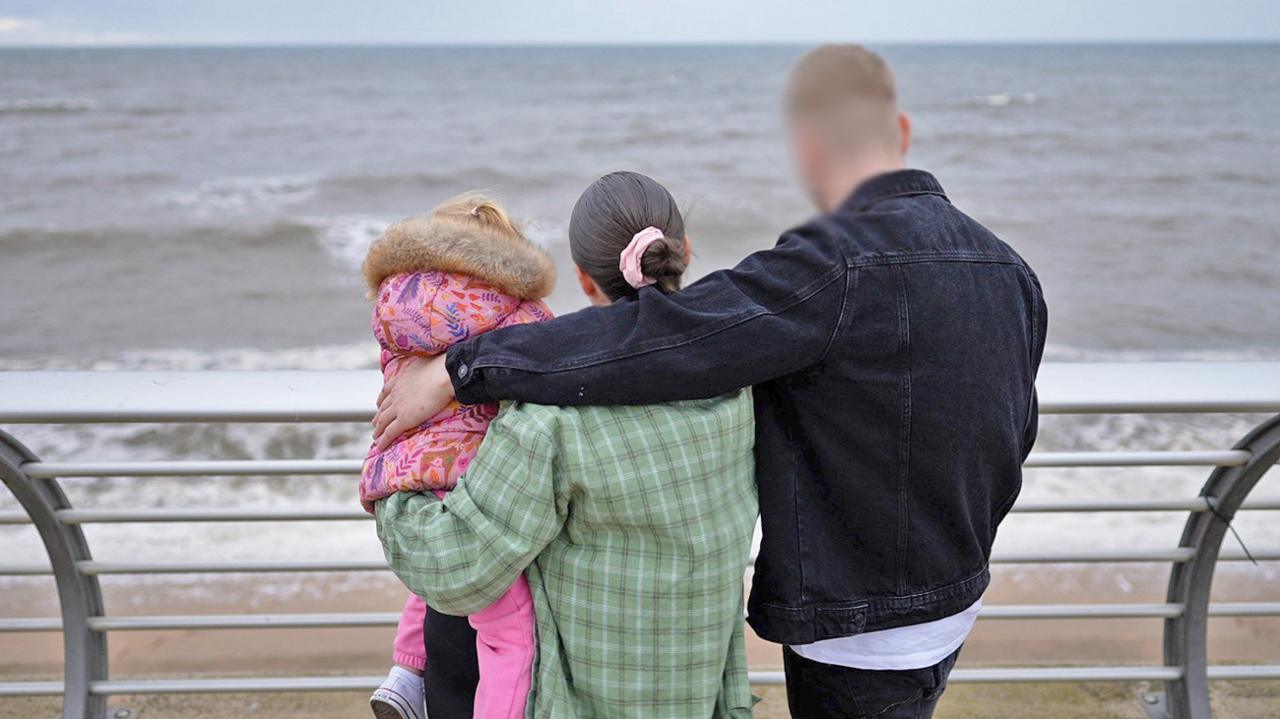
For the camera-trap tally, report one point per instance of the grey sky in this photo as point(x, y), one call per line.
point(25, 22)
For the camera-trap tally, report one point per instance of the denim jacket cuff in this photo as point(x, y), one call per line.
point(468, 385)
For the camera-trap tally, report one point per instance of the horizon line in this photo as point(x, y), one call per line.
point(219, 44)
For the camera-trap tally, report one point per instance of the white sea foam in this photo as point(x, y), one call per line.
point(347, 237)
point(244, 194)
point(546, 232)
point(1005, 99)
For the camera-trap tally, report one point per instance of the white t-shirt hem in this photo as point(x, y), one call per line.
point(912, 647)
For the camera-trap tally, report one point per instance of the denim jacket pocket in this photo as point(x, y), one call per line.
point(840, 621)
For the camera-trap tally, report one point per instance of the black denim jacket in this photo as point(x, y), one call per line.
point(893, 346)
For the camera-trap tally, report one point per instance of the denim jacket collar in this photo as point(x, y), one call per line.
point(898, 183)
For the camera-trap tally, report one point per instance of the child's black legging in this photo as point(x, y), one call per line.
point(452, 668)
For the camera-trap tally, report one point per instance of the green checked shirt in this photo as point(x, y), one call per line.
point(634, 525)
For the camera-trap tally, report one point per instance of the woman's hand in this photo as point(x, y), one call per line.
point(410, 398)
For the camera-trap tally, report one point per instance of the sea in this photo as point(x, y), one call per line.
point(208, 208)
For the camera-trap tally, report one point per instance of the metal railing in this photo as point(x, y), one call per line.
point(344, 396)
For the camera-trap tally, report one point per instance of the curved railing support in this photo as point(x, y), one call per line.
point(80, 596)
point(1186, 636)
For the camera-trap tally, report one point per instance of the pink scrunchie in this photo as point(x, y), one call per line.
point(629, 262)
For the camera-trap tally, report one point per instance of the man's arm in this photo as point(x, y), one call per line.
point(1039, 330)
point(775, 313)
point(771, 315)
point(462, 553)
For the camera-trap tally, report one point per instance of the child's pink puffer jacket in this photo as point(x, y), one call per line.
point(434, 291)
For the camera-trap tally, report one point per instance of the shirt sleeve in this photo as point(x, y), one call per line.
point(775, 313)
point(1039, 327)
point(462, 553)
point(736, 700)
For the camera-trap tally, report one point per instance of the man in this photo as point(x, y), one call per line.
point(893, 343)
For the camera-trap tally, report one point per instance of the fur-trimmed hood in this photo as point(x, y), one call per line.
point(513, 265)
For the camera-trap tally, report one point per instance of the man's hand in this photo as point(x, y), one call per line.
point(410, 398)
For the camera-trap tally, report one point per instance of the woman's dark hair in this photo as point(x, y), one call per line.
point(608, 214)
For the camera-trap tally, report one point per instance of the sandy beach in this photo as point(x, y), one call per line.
point(365, 650)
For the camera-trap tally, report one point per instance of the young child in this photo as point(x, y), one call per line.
point(462, 270)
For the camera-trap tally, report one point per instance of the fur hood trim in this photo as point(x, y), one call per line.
point(421, 244)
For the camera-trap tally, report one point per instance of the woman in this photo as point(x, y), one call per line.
point(633, 524)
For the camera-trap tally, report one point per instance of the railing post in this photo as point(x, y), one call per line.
point(80, 596)
point(1186, 636)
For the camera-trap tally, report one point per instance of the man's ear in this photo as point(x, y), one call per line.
point(808, 161)
point(904, 126)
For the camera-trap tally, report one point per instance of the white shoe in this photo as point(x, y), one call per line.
point(400, 696)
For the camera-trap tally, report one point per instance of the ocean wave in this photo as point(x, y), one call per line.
point(1005, 99)
point(1067, 353)
point(50, 106)
point(362, 355)
point(243, 194)
point(347, 237)
point(142, 178)
point(161, 110)
point(452, 181)
point(107, 238)
point(546, 233)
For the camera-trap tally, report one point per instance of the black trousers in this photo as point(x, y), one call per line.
point(452, 668)
point(825, 691)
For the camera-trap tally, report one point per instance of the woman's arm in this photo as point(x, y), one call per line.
point(462, 553)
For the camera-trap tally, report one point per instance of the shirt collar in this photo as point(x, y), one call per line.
point(898, 183)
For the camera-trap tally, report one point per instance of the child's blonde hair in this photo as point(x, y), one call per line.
point(468, 234)
point(468, 210)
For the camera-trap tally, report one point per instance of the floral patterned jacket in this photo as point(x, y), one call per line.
point(421, 314)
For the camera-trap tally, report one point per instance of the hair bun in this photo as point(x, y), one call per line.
point(610, 216)
point(665, 262)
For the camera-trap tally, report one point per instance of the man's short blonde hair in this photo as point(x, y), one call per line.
point(849, 94)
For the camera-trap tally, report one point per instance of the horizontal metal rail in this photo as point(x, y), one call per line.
point(1160, 458)
point(91, 516)
point(389, 619)
point(101, 568)
point(1030, 506)
point(233, 514)
point(319, 467)
point(194, 468)
point(229, 514)
point(210, 621)
point(1245, 671)
point(30, 689)
point(348, 396)
point(1024, 675)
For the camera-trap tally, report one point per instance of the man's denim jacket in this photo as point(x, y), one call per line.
point(893, 345)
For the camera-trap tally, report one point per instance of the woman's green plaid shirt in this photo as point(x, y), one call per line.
point(634, 524)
